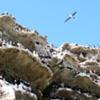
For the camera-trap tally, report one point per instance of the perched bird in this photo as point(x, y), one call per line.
point(71, 16)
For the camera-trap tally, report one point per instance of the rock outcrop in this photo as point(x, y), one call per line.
point(32, 69)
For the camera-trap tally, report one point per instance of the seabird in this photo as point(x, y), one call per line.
point(71, 16)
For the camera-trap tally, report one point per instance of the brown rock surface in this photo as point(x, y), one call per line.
point(17, 64)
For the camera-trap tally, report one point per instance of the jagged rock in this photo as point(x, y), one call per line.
point(81, 59)
point(92, 66)
point(85, 84)
point(26, 38)
point(66, 46)
point(92, 63)
point(17, 64)
point(24, 96)
point(78, 50)
point(63, 75)
point(72, 61)
point(67, 93)
point(77, 82)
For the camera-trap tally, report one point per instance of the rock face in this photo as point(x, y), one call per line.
point(13, 68)
point(32, 69)
point(16, 33)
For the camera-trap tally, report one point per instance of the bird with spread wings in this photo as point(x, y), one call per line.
point(71, 16)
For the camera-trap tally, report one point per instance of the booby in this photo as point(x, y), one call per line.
point(71, 16)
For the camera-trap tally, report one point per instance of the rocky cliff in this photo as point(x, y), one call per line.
point(33, 69)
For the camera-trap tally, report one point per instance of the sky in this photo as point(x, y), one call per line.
point(47, 17)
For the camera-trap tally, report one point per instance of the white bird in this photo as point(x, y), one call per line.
point(71, 16)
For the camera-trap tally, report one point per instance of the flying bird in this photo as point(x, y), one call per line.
point(71, 16)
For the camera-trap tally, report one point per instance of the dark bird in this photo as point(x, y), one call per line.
point(71, 16)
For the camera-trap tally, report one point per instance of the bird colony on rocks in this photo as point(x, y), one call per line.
point(33, 69)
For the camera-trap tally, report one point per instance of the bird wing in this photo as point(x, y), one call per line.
point(67, 19)
point(74, 14)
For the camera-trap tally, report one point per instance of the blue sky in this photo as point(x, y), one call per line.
point(47, 17)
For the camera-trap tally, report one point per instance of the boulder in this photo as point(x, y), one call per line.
point(18, 64)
